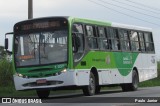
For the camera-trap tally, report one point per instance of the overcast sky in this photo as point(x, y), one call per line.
point(12, 11)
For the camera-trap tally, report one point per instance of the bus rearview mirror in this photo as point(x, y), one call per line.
point(6, 43)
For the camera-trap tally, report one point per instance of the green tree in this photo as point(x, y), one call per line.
point(2, 52)
point(6, 70)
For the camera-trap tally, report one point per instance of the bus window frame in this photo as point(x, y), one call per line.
point(17, 33)
point(142, 41)
point(84, 40)
point(93, 37)
point(151, 34)
point(129, 31)
point(108, 34)
point(105, 37)
point(128, 40)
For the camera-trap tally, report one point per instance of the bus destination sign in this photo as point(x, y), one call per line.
point(40, 25)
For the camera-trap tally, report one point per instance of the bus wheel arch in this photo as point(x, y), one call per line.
point(93, 86)
point(133, 86)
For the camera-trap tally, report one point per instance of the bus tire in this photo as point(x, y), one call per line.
point(90, 89)
point(131, 86)
point(43, 93)
point(135, 81)
point(125, 87)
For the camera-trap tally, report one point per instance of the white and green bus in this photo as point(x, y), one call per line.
point(66, 52)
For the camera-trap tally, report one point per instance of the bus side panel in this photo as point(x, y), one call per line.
point(82, 77)
point(112, 76)
point(146, 66)
point(105, 77)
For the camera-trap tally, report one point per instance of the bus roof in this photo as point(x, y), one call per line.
point(90, 21)
point(103, 23)
point(132, 27)
point(119, 25)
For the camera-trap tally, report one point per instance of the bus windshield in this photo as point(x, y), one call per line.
point(41, 48)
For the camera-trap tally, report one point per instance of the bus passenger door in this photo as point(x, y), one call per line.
point(77, 42)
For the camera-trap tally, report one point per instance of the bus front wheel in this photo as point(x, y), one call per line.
point(43, 93)
point(91, 88)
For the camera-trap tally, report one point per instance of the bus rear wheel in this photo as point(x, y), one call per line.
point(91, 88)
point(131, 86)
point(43, 93)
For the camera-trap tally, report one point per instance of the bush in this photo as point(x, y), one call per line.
point(6, 73)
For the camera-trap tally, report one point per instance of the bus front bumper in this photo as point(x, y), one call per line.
point(70, 78)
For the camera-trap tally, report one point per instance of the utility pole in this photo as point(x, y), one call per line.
point(30, 9)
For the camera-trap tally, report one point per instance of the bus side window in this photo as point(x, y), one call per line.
point(142, 43)
point(134, 41)
point(149, 42)
point(124, 38)
point(91, 37)
point(113, 39)
point(102, 40)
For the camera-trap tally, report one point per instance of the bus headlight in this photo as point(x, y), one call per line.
point(20, 75)
point(64, 70)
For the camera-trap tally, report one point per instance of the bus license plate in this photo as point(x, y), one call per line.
point(41, 81)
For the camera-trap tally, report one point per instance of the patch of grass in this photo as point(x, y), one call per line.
point(6, 73)
point(11, 92)
point(150, 83)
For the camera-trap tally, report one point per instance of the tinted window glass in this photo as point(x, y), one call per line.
point(149, 42)
point(113, 39)
point(78, 40)
point(91, 37)
point(102, 40)
point(134, 41)
point(141, 38)
point(125, 45)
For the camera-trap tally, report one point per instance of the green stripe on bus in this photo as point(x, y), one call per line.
point(123, 61)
